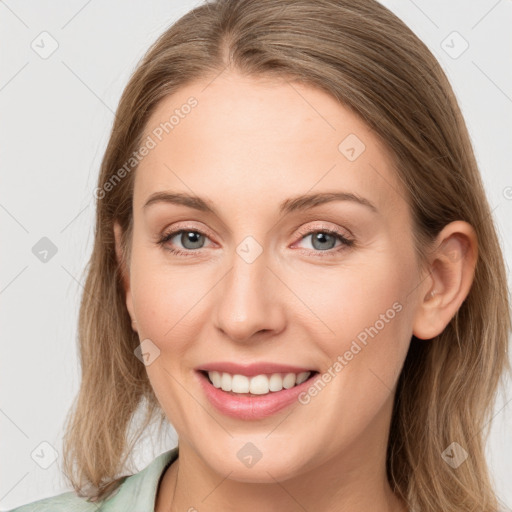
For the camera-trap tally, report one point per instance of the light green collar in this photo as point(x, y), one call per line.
point(138, 491)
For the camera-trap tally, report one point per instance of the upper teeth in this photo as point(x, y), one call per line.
point(259, 384)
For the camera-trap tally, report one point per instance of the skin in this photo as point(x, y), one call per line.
point(247, 146)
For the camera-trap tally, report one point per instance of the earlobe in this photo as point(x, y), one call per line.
point(125, 274)
point(452, 268)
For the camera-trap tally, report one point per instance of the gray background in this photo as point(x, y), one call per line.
point(56, 115)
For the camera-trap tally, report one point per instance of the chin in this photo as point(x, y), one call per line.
point(266, 466)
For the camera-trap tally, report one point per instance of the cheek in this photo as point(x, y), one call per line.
point(166, 303)
point(167, 300)
point(366, 308)
point(159, 303)
point(351, 300)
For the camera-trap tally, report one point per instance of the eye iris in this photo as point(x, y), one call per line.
point(320, 237)
point(194, 239)
point(192, 236)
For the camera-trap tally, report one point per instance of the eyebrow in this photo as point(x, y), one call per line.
point(298, 203)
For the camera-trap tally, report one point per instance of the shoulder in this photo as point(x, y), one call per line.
point(67, 501)
point(138, 489)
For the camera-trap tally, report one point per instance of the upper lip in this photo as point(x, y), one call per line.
point(252, 369)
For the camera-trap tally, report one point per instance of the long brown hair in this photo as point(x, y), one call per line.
point(364, 56)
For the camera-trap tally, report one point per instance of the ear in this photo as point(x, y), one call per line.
point(125, 272)
point(452, 268)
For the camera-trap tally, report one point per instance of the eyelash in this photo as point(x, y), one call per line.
point(346, 242)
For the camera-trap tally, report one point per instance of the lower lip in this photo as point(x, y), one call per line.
point(251, 407)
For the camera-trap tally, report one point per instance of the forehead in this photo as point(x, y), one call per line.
point(241, 139)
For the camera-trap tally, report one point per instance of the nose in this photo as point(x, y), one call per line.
point(250, 301)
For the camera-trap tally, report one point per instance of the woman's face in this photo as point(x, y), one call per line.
point(265, 278)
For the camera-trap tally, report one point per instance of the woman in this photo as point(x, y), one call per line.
point(359, 376)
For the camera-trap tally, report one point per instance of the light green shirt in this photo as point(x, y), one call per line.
point(137, 493)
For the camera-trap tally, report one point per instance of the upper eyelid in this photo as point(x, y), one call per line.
point(326, 227)
point(186, 225)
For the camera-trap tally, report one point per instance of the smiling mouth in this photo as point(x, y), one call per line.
point(257, 385)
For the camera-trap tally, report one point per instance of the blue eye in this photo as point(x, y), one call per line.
point(325, 240)
point(194, 237)
point(192, 240)
point(322, 237)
